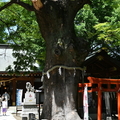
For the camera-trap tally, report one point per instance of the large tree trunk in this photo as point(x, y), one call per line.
point(63, 48)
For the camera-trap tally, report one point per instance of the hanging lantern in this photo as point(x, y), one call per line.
point(5, 88)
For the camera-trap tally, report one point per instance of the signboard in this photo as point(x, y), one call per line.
point(19, 93)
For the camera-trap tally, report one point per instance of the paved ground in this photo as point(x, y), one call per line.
point(10, 115)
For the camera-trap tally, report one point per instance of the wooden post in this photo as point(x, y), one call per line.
point(118, 105)
point(99, 116)
point(14, 92)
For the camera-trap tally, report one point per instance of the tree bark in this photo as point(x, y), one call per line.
point(63, 48)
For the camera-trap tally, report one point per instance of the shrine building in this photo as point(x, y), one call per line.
point(102, 76)
point(11, 82)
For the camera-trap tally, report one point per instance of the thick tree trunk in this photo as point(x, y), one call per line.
point(63, 48)
point(60, 84)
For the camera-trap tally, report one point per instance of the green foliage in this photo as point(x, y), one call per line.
point(99, 25)
point(20, 30)
point(109, 31)
point(84, 22)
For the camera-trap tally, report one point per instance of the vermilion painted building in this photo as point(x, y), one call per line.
point(103, 92)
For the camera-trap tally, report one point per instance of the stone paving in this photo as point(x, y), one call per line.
point(10, 115)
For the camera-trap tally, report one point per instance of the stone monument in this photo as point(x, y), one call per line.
point(29, 105)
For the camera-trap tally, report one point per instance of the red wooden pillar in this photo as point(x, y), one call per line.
point(99, 116)
point(118, 105)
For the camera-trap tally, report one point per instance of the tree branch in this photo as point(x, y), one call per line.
point(76, 5)
point(5, 6)
point(25, 5)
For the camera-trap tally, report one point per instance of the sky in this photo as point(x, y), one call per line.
point(4, 0)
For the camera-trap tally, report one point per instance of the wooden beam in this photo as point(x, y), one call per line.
point(103, 80)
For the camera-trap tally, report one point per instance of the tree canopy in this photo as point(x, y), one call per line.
point(98, 23)
point(109, 31)
point(19, 29)
point(70, 30)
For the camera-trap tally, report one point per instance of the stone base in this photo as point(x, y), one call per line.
point(28, 109)
point(24, 118)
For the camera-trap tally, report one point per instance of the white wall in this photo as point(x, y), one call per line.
point(6, 58)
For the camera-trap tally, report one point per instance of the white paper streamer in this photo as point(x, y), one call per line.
point(42, 78)
point(85, 103)
point(60, 72)
point(48, 75)
point(74, 72)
